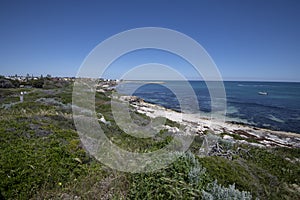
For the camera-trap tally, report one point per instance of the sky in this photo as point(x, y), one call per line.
point(247, 40)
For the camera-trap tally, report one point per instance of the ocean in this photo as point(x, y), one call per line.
point(271, 105)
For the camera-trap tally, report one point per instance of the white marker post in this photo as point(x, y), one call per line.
point(21, 97)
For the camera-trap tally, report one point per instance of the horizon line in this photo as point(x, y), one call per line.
point(188, 79)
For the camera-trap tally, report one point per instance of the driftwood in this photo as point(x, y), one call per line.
point(217, 149)
point(240, 151)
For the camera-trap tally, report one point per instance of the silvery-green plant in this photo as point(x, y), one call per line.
point(214, 191)
point(196, 172)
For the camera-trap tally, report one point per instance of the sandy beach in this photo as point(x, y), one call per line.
point(234, 132)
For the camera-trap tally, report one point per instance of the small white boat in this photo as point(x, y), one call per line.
point(262, 93)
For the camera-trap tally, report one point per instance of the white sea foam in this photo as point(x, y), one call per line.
point(276, 119)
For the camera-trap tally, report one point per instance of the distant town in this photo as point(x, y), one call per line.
point(30, 81)
point(47, 82)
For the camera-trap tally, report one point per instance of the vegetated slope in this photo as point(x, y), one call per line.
point(42, 157)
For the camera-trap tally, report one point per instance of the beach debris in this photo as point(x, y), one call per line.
point(172, 129)
point(131, 99)
point(78, 160)
point(103, 120)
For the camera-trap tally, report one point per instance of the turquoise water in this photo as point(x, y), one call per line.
point(278, 110)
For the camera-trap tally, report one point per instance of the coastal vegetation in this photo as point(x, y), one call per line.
point(42, 157)
point(33, 82)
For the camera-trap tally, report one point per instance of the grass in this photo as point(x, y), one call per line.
point(42, 157)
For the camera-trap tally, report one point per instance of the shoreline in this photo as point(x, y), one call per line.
point(227, 130)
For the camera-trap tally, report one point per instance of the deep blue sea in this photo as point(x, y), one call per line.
point(278, 110)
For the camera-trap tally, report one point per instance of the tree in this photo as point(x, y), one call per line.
point(4, 83)
point(37, 83)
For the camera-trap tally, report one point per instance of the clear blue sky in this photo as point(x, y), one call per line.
point(248, 40)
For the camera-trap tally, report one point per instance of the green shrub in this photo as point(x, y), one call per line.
point(183, 179)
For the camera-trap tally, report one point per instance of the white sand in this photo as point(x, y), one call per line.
point(199, 125)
